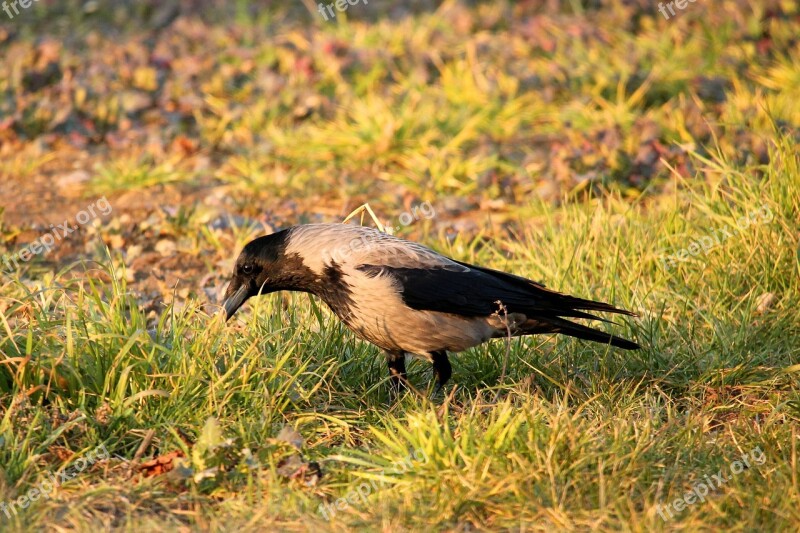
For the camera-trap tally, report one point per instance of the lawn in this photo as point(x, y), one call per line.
point(600, 147)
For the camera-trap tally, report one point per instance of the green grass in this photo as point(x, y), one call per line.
point(574, 436)
point(543, 141)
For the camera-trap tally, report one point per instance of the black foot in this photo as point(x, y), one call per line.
point(397, 370)
point(442, 368)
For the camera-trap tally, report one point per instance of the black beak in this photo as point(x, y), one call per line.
point(235, 296)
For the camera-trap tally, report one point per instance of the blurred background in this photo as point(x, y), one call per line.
point(275, 113)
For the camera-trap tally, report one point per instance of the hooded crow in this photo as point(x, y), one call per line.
point(405, 298)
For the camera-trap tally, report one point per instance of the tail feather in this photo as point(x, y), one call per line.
point(559, 325)
point(571, 304)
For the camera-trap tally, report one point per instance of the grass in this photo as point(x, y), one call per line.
point(578, 147)
point(574, 436)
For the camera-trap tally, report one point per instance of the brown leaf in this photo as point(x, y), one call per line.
point(60, 452)
point(161, 464)
point(184, 145)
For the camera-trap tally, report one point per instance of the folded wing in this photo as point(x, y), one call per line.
point(468, 290)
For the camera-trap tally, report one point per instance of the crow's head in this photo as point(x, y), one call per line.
point(259, 269)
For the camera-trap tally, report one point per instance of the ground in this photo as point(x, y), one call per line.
point(604, 148)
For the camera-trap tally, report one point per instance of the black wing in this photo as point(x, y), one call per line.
point(475, 291)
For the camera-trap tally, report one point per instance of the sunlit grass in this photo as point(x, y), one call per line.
point(586, 150)
point(574, 436)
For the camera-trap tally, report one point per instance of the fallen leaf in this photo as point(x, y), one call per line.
point(765, 302)
point(165, 247)
point(295, 468)
point(161, 464)
point(288, 434)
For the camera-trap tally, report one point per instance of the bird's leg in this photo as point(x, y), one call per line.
point(442, 368)
point(397, 370)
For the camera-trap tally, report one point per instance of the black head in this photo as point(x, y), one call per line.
point(258, 270)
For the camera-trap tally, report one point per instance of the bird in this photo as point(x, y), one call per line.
point(404, 297)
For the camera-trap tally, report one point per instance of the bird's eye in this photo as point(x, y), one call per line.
point(247, 269)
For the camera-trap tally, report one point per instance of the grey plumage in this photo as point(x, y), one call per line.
point(406, 298)
point(378, 313)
